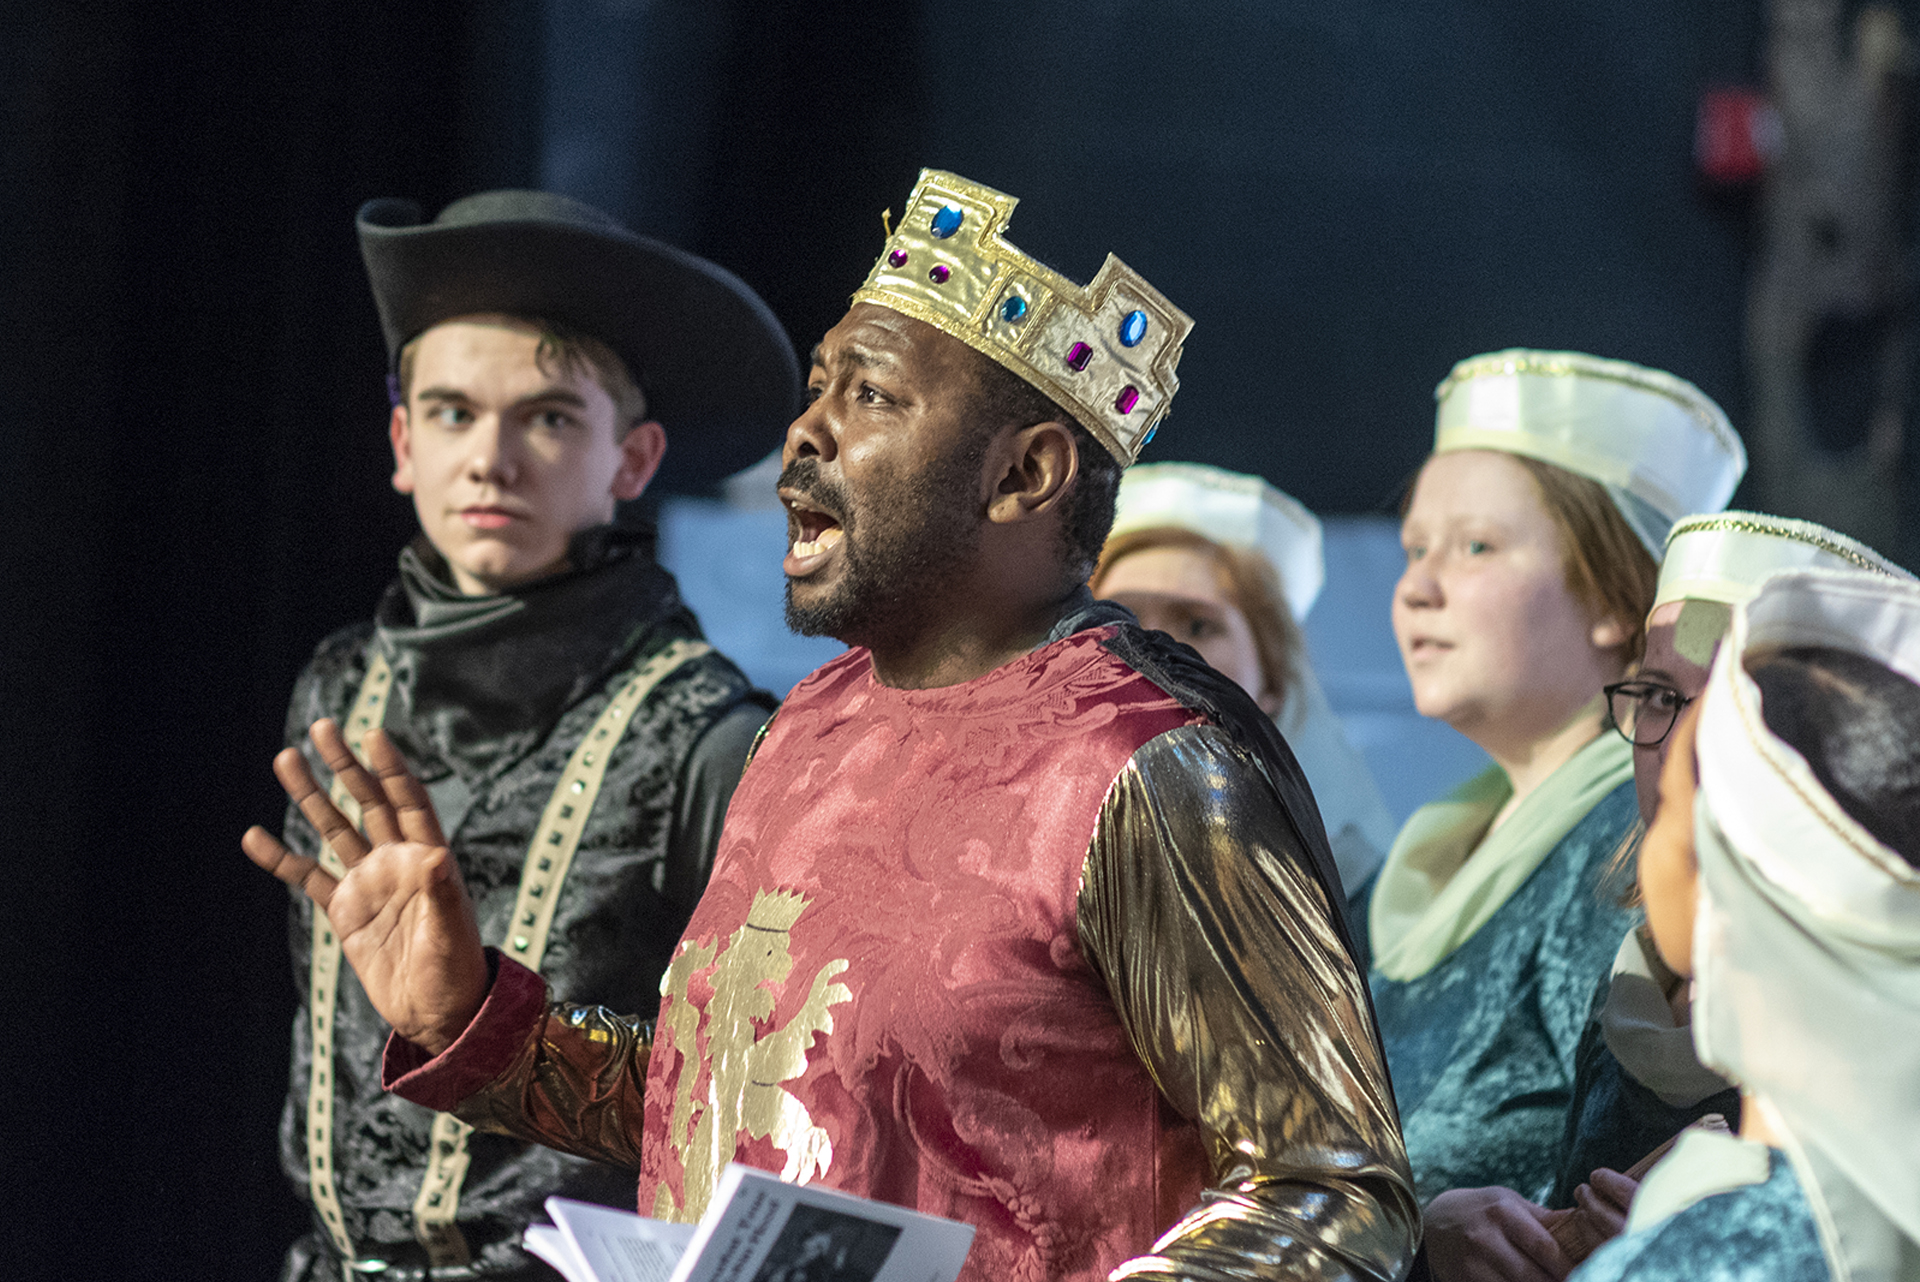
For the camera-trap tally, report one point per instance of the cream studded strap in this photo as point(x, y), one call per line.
point(369, 710)
point(549, 856)
point(565, 818)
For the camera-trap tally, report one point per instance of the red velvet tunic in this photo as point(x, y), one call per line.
point(1046, 951)
point(942, 1045)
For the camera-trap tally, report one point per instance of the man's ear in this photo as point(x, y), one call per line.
point(1036, 467)
point(397, 434)
point(641, 450)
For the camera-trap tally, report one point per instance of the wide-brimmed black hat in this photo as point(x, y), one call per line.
point(709, 355)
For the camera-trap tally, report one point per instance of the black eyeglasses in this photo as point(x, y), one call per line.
point(1644, 711)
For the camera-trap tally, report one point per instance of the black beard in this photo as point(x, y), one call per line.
point(899, 555)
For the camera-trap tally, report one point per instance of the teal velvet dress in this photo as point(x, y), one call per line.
point(1756, 1233)
point(1614, 1120)
point(1482, 1046)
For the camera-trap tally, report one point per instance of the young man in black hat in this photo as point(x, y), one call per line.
point(578, 739)
point(1022, 916)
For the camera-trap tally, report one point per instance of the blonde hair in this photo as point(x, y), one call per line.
point(1249, 581)
point(1608, 568)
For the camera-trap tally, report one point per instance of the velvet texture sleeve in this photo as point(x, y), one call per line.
point(1214, 937)
point(568, 1076)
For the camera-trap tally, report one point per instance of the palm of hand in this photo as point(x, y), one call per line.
point(407, 928)
point(401, 912)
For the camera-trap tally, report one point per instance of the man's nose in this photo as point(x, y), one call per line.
point(809, 435)
point(490, 453)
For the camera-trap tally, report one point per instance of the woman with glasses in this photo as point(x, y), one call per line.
point(1637, 1079)
point(1781, 876)
point(1530, 535)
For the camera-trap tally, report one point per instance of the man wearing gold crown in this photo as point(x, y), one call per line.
point(1022, 915)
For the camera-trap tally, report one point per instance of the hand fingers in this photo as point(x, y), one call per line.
point(296, 870)
point(406, 794)
point(376, 813)
point(291, 769)
point(1601, 1215)
point(1476, 1235)
point(1613, 1187)
point(1526, 1230)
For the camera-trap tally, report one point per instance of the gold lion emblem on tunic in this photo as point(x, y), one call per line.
point(744, 1095)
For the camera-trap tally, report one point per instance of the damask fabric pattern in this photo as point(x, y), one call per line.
point(1614, 1120)
point(640, 867)
point(1756, 1233)
point(1483, 1046)
point(1105, 974)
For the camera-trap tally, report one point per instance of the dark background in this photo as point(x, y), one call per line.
point(1347, 196)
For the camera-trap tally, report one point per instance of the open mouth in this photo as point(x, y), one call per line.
point(812, 535)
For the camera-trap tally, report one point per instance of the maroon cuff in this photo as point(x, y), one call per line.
point(515, 1007)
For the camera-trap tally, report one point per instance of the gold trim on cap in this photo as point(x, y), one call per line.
point(1725, 556)
point(1781, 527)
point(1580, 365)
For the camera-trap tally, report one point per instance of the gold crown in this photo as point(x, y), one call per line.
point(1105, 352)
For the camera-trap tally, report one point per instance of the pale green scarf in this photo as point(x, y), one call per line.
point(1431, 897)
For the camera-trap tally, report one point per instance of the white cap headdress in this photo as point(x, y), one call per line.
point(1234, 510)
point(1724, 556)
point(1806, 948)
point(1659, 445)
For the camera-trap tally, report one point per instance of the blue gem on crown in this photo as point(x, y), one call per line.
point(1014, 310)
point(1133, 328)
point(947, 221)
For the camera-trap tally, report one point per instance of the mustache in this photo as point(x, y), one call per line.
point(802, 476)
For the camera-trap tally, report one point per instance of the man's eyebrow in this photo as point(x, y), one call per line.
point(858, 357)
point(554, 395)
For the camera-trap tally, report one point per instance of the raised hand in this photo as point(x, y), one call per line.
point(401, 910)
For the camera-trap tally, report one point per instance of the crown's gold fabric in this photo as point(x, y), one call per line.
point(1105, 352)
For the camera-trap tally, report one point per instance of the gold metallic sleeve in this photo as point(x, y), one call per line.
point(578, 1086)
point(1217, 944)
